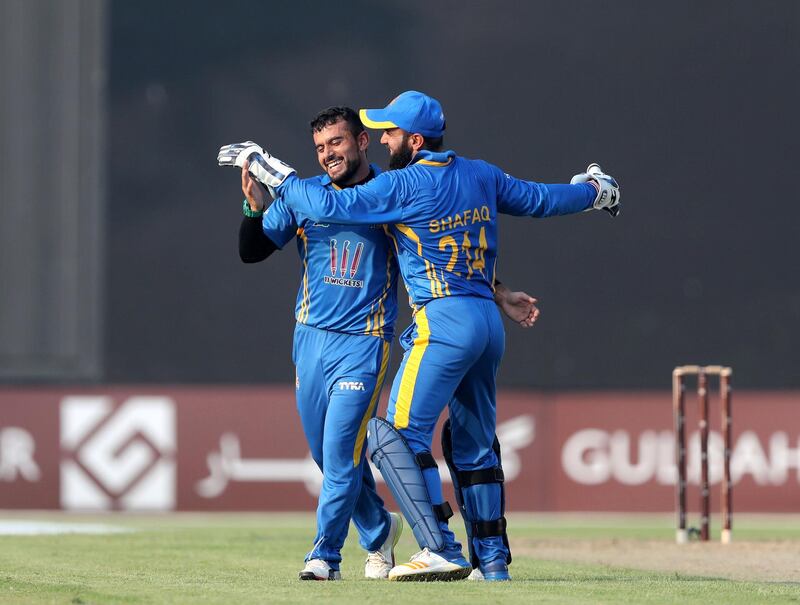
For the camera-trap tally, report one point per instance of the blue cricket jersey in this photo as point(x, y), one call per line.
point(442, 215)
point(348, 272)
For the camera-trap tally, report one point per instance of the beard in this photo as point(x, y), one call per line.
point(350, 169)
point(402, 157)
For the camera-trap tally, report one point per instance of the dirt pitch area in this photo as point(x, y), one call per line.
point(775, 561)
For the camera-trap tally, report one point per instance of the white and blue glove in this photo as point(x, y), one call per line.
point(266, 169)
point(608, 193)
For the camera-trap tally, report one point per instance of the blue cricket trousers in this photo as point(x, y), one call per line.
point(452, 352)
point(339, 379)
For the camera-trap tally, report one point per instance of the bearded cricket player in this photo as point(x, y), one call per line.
point(345, 314)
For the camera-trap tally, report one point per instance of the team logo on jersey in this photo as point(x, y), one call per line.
point(351, 385)
point(343, 267)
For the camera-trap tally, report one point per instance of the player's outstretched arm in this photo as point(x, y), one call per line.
point(521, 198)
point(608, 193)
point(378, 201)
point(375, 202)
point(528, 198)
point(519, 307)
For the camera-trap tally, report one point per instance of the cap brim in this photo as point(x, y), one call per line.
point(375, 118)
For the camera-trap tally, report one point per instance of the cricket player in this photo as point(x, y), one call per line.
point(442, 215)
point(345, 312)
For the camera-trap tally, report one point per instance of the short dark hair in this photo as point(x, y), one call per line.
point(329, 116)
point(433, 143)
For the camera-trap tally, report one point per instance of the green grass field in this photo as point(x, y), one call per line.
point(248, 558)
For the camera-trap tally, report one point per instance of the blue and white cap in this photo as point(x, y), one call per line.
point(413, 111)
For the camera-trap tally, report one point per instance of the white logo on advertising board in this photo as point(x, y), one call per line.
point(227, 464)
point(16, 455)
point(118, 457)
point(595, 456)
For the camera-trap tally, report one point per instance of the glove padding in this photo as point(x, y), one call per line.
point(608, 193)
point(266, 169)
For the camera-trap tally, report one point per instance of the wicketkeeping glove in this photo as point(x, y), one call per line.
point(608, 194)
point(268, 170)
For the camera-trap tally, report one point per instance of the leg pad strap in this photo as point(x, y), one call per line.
point(483, 475)
point(443, 511)
point(486, 529)
point(426, 460)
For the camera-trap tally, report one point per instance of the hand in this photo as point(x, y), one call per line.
point(267, 170)
point(254, 191)
point(518, 306)
point(608, 193)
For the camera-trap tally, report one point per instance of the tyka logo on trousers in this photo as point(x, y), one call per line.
point(351, 385)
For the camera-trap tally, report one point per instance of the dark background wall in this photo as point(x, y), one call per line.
point(52, 121)
point(692, 105)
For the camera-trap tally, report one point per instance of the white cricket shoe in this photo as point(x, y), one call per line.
point(380, 562)
point(427, 566)
point(317, 569)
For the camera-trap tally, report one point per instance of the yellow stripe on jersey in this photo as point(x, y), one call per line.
point(432, 163)
point(436, 282)
point(409, 379)
point(369, 320)
point(397, 248)
point(302, 316)
point(376, 319)
point(439, 277)
point(446, 285)
point(362, 430)
point(380, 319)
point(373, 318)
point(391, 237)
point(429, 270)
point(409, 233)
point(382, 316)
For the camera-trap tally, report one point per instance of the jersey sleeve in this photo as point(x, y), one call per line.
point(279, 223)
point(528, 198)
point(378, 201)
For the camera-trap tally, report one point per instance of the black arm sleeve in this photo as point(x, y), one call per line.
point(254, 245)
